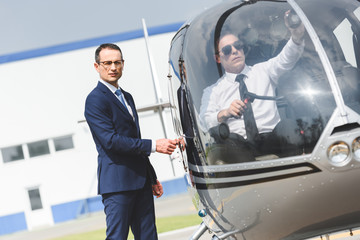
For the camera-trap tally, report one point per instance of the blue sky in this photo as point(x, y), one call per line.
point(33, 24)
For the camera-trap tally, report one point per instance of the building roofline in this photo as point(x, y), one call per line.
point(12, 57)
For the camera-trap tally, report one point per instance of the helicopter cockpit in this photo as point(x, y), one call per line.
point(301, 88)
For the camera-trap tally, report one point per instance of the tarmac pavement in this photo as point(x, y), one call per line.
point(165, 207)
point(170, 206)
point(183, 234)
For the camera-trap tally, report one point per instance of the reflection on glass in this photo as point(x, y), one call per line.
point(356, 148)
point(63, 143)
point(251, 107)
point(38, 148)
point(35, 199)
point(287, 86)
point(338, 153)
point(14, 153)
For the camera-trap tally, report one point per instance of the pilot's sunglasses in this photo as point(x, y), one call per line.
point(238, 45)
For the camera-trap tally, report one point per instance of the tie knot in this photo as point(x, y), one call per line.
point(118, 92)
point(240, 78)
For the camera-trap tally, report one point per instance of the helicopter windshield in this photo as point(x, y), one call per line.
point(252, 80)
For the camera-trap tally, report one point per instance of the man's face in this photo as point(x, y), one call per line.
point(230, 55)
point(110, 66)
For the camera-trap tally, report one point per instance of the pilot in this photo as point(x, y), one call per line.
point(222, 102)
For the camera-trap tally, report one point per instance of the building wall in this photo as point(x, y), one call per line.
point(42, 99)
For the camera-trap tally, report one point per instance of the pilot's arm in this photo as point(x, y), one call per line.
point(212, 113)
point(209, 108)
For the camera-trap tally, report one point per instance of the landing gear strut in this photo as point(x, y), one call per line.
point(199, 232)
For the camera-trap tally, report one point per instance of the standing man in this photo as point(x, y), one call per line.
point(126, 179)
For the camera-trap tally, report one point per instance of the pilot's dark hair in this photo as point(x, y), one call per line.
point(108, 46)
point(224, 32)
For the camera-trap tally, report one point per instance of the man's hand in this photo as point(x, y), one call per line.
point(166, 146)
point(157, 189)
point(297, 34)
point(236, 109)
point(181, 143)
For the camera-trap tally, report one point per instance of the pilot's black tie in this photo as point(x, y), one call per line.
point(250, 123)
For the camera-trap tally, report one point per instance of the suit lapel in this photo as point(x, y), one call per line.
point(114, 99)
point(130, 101)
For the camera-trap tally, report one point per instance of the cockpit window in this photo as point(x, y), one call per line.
point(255, 88)
point(346, 69)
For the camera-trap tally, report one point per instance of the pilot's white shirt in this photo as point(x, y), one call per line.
point(261, 80)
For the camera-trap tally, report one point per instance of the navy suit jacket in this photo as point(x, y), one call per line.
point(123, 162)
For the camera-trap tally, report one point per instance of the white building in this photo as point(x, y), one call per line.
point(48, 160)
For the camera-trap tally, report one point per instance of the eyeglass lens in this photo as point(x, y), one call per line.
point(109, 63)
point(228, 48)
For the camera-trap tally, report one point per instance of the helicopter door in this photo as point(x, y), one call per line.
point(187, 126)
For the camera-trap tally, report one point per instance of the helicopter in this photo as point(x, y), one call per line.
point(308, 188)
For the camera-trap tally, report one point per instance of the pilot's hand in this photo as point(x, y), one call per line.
point(157, 189)
point(297, 34)
point(236, 109)
point(166, 146)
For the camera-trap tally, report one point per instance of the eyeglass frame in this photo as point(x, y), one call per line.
point(238, 45)
point(117, 63)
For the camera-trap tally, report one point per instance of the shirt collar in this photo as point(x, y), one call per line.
point(108, 85)
point(231, 76)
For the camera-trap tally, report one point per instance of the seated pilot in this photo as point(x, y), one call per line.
point(250, 121)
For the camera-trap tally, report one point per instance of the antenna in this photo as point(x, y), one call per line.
point(156, 85)
point(152, 67)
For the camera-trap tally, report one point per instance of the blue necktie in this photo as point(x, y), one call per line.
point(120, 97)
point(122, 100)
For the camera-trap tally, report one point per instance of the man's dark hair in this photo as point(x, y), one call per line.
point(104, 46)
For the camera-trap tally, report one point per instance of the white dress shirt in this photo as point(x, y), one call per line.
point(261, 79)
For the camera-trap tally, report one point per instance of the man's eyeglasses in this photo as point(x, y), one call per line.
point(108, 64)
point(238, 45)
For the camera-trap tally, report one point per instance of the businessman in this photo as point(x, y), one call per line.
point(126, 179)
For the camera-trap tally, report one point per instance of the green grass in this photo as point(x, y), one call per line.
point(163, 225)
point(172, 223)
